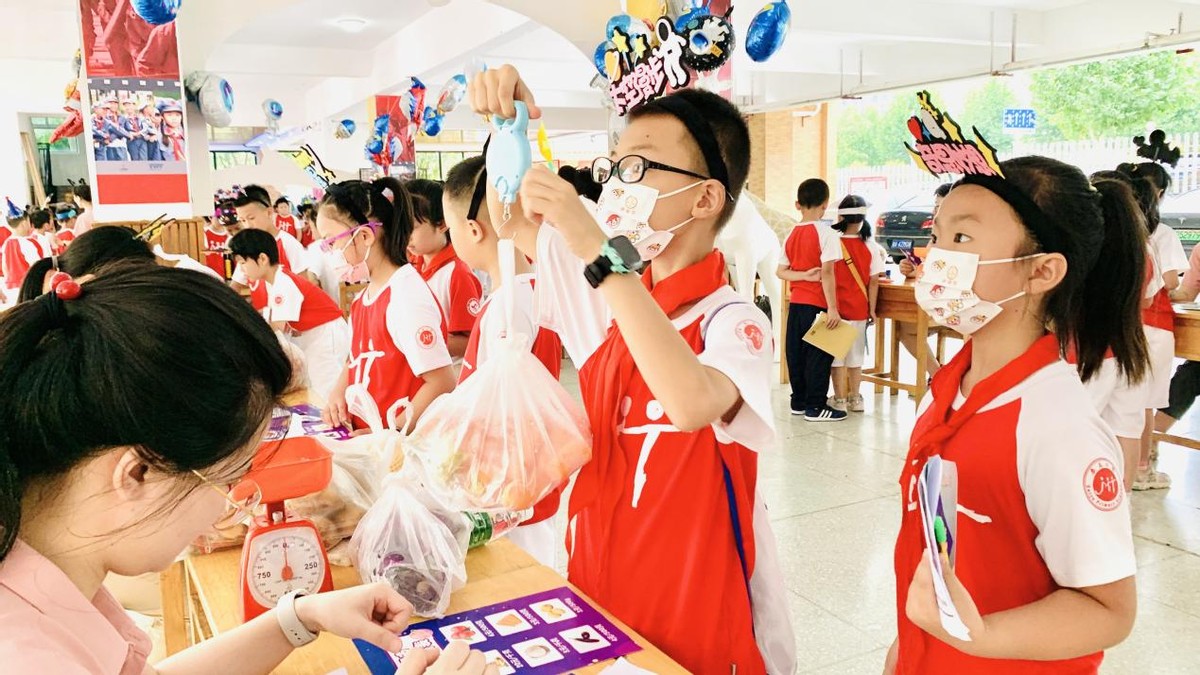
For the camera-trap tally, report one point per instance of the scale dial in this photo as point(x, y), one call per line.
point(284, 560)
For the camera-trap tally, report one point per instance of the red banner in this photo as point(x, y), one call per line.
point(135, 112)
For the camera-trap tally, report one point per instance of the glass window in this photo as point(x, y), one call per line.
point(43, 127)
point(227, 159)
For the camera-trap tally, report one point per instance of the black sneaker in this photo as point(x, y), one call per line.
point(798, 411)
point(824, 414)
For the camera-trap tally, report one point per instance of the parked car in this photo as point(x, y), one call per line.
point(905, 226)
point(1182, 213)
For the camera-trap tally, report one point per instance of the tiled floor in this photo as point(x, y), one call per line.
point(835, 504)
point(833, 494)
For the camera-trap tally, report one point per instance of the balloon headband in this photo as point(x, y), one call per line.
point(679, 108)
point(1158, 150)
point(154, 229)
point(66, 215)
point(853, 211)
point(941, 148)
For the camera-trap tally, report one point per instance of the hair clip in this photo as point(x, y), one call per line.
point(388, 195)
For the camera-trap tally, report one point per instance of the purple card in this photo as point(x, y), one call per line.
point(551, 632)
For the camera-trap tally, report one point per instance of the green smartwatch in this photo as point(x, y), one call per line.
point(617, 256)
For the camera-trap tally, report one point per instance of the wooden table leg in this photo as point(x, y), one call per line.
point(880, 346)
point(173, 584)
point(784, 310)
point(894, 369)
point(922, 354)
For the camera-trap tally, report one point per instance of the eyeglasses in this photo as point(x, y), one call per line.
point(242, 499)
point(632, 169)
point(329, 244)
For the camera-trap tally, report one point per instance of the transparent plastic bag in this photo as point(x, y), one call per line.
point(508, 436)
point(402, 542)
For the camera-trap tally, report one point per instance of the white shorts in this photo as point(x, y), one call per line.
point(1162, 367)
point(326, 349)
point(1121, 405)
point(858, 351)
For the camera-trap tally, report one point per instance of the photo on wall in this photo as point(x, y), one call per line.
point(139, 139)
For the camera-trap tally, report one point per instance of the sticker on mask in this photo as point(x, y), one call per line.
point(633, 201)
point(949, 269)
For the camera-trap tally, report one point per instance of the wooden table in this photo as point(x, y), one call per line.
point(201, 598)
point(896, 304)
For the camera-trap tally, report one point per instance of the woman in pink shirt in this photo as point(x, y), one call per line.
point(123, 420)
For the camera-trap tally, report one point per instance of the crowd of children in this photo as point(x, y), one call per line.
point(1051, 272)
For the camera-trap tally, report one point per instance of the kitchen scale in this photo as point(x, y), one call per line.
point(283, 553)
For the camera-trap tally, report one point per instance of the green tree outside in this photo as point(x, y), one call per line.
point(984, 110)
point(1117, 97)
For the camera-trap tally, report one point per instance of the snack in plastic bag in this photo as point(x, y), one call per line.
point(508, 436)
point(401, 542)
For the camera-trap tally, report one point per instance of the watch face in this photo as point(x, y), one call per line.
point(628, 252)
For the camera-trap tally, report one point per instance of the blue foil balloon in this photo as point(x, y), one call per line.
point(157, 12)
point(432, 123)
point(622, 21)
point(768, 30)
point(598, 58)
point(379, 137)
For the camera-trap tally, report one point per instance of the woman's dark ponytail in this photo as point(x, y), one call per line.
point(132, 362)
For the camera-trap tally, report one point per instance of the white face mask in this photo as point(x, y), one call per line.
point(945, 290)
point(624, 209)
point(351, 274)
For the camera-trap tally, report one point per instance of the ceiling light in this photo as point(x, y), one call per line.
point(351, 24)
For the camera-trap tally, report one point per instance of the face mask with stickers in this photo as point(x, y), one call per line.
point(945, 290)
point(624, 209)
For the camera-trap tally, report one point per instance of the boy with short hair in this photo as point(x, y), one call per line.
point(65, 215)
point(284, 220)
point(43, 230)
point(253, 206)
point(668, 531)
point(812, 251)
point(477, 245)
point(296, 308)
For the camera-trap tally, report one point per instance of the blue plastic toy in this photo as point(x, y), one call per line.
point(508, 155)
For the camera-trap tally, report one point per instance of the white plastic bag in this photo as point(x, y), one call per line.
point(401, 542)
point(507, 437)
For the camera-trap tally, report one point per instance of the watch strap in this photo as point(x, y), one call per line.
point(293, 628)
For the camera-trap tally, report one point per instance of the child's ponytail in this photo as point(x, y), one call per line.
point(1112, 291)
point(392, 206)
point(1100, 231)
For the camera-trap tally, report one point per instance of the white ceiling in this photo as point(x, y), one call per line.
point(311, 23)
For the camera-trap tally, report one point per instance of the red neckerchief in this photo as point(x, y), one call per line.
point(607, 374)
point(439, 259)
point(943, 422)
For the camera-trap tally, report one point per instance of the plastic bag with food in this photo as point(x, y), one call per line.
point(509, 435)
point(402, 542)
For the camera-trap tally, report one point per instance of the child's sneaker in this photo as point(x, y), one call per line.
point(856, 404)
point(824, 414)
point(836, 403)
point(1149, 479)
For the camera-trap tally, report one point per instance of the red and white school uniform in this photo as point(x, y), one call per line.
point(292, 256)
point(65, 237)
point(1159, 318)
point(287, 224)
point(456, 288)
point(1041, 505)
point(216, 244)
point(397, 335)
point(19, 254)
point(537, 536)
point(853, 305)
point(670, 534)
point(317, 327)
point(810, 245)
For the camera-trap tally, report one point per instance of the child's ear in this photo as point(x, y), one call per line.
point(711, 202)
point(1047, 273)
point(477, 231)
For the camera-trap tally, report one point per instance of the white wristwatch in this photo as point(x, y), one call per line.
point(289, 621)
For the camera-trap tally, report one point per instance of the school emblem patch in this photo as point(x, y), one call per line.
point(473, 306)
point(1102, 486)
point(752, 334)
point(426, 337)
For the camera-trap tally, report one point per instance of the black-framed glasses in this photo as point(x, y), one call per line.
point(632, 169)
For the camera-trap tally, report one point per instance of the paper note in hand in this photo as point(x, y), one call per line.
point(836, 342)
point(937, 497)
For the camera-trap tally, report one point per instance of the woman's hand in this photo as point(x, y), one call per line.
point(458, 659)
point(546, 197)
point(922, 607)
point(374, 612)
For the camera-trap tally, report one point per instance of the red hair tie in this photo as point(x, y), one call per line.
point(66, 288)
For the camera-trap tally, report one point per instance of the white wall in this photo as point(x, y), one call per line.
point(30, 86)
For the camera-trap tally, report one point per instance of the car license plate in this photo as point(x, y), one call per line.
point(902, 244)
